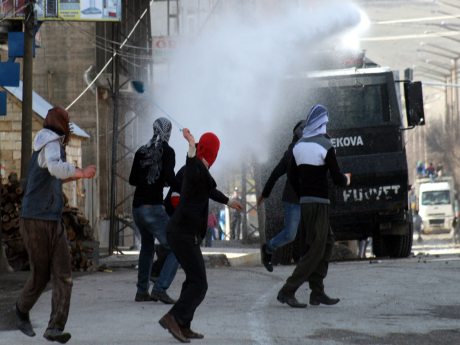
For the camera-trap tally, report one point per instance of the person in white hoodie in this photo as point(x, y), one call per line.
point(314, 161)
point(40, 225)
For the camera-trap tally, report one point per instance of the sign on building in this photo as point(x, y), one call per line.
point(72, 10)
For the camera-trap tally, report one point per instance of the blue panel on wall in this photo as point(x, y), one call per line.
point(16, 44)
point(9, 74)
point(2, 103)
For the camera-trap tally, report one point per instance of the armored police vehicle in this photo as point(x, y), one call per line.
point(367, 128)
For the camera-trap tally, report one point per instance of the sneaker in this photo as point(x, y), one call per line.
point(161, 296)
point(23, 322)
point(266, 258)
point(143, 297)
point(54, 334)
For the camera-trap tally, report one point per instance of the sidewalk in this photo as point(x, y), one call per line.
point(213, 256)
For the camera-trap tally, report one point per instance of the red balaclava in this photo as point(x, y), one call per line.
point(208, 147)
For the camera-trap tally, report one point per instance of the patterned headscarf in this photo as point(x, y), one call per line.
point(316, 121)
point(153, 150)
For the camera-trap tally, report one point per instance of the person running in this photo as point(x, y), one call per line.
point(186, 230)
point(314, 157)
point(152, 170)
point(290, 203)
point(41, 227)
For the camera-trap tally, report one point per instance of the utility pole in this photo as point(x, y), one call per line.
point(27, 87)
point(113, 234)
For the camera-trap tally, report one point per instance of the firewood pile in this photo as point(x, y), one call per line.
point(80, 235)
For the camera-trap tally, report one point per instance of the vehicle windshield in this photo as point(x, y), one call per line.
point(438, 197)
point(353, 106)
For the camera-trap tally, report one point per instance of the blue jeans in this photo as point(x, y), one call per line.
point(289, 232)
point(151, 220)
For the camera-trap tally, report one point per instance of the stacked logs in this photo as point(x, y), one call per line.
point(80, 235)
point(83, 248)
point(10, 204)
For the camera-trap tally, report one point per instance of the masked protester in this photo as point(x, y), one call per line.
point(186, 230)
point(40, 225)
point(314, 157)
point(152, 170)
point(290, 202)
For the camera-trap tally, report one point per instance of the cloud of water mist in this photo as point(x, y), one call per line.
point(226, 79)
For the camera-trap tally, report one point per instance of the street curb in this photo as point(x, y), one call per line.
point(210, 260)
point(248, 259)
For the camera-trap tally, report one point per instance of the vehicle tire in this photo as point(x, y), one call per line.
point(406, 246)
point(394, 246)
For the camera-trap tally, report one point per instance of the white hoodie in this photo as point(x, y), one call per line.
point(49, 157)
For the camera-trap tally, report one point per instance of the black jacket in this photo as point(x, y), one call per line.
point(289, 195)
point(191, 215)
point(152, 194)
point(215, 194)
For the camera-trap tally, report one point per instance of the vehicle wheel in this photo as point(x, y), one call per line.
point(394, 246)
point(406, 246)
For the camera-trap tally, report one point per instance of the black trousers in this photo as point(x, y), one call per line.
point(316, 243)
point(187, 250)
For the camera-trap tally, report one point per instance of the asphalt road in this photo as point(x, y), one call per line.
point(408, 301)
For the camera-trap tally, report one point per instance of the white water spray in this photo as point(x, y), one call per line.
point(226, 80)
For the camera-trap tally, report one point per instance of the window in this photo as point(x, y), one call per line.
point(438, 197)
point(353, 106)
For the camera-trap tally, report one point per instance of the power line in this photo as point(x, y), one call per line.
point(111, 58)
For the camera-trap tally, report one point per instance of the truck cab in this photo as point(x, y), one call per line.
point(436, 203)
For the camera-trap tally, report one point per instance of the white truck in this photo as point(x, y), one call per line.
point(436, 203)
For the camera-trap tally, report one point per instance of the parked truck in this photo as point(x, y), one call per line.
point(367, 128)
point(436, 203)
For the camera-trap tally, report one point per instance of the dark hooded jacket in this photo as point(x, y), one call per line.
point(191, 215)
